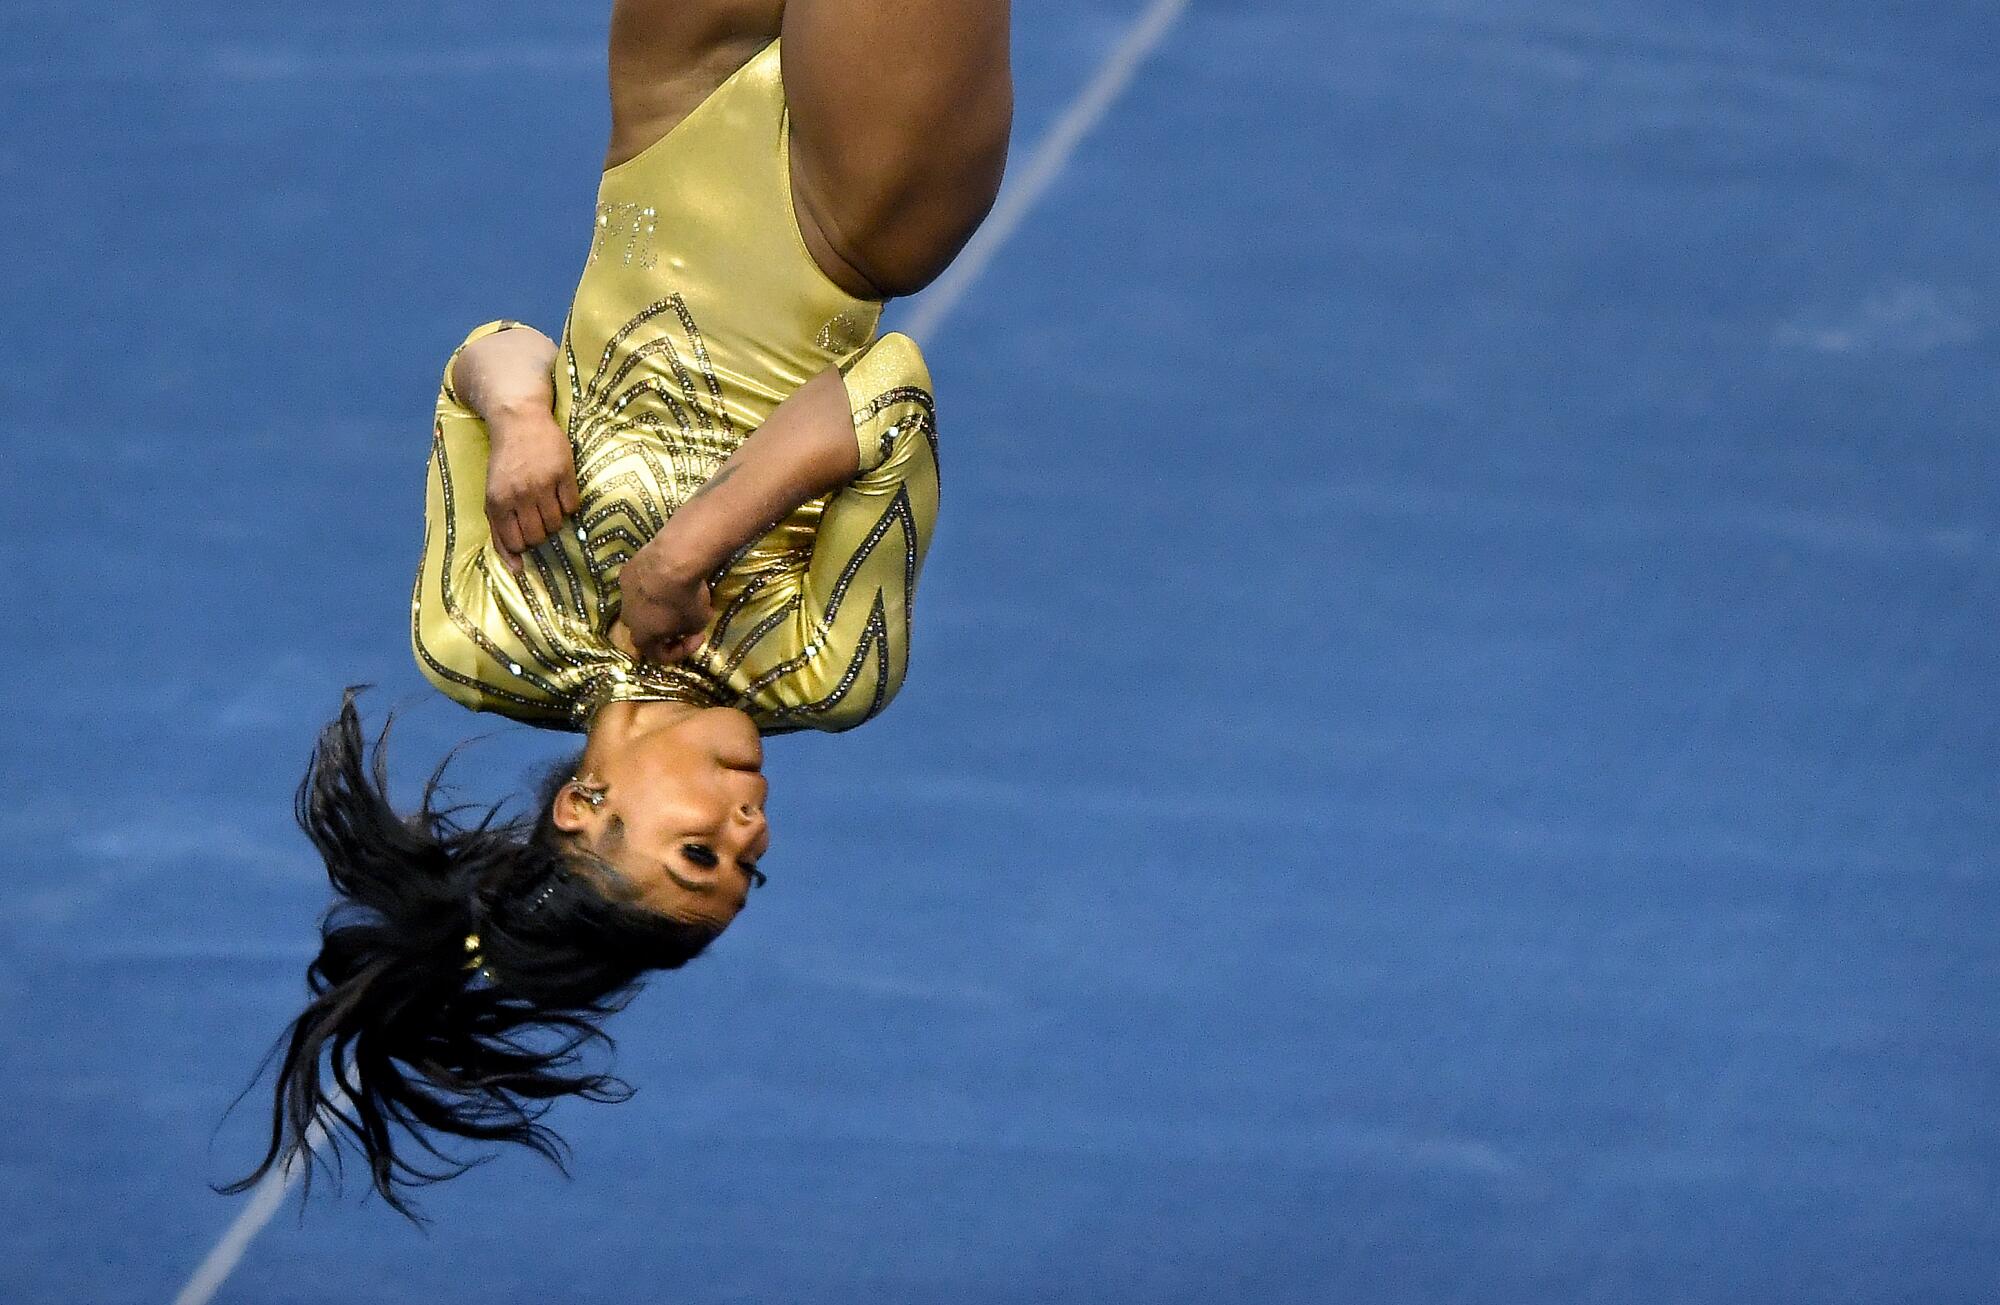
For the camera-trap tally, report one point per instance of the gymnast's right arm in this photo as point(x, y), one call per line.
point(507, 378)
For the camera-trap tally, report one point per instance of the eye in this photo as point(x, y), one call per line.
point(701, 854)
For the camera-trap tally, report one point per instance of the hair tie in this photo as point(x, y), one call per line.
point(475, 958)
point(548, 890)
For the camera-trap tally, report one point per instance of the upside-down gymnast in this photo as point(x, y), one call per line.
point(695, 520)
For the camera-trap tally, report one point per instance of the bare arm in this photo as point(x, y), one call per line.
point(507, 373)
point(531, 472)
point(804, 450)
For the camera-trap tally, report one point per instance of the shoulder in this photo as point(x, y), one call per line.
point(891, 361)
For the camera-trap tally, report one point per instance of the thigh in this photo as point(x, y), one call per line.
point(668, 55)
point(900, 111)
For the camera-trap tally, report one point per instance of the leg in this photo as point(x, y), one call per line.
point(900, 114)
point(668, 55)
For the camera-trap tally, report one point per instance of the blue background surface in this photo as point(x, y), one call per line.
point(1451, 754)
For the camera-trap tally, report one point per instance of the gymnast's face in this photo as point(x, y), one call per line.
point(681, 814)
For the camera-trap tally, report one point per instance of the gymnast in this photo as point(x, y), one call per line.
point(695, 520)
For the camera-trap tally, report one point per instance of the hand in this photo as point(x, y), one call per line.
point(530, 481)
point(665, 608)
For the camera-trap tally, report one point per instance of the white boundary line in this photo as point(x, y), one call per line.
point(265, 1198)
point(1051, 156)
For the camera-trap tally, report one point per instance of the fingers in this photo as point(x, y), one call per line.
point(546, 515)
point(666, 649)
point(662, 626)
point(521, 521)
point(682, 647)
point(531, 483)
point(506, 534)
point(704, 615)
point(668, 652)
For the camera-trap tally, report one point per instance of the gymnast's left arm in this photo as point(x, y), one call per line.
point(804, 450)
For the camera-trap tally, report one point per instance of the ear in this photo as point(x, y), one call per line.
point(574, 812)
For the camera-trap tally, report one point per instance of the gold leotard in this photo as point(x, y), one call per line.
point(699, 310)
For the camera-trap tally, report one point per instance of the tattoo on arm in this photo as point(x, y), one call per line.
point(712, 482)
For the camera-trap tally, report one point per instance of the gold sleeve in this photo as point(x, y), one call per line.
point(859, 585)
point(454, 606)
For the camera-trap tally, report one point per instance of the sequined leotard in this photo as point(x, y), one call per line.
point(698, 311)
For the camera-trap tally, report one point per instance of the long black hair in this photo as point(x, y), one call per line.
point(412, 1035)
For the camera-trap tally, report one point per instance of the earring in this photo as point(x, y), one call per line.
point(592, 793)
